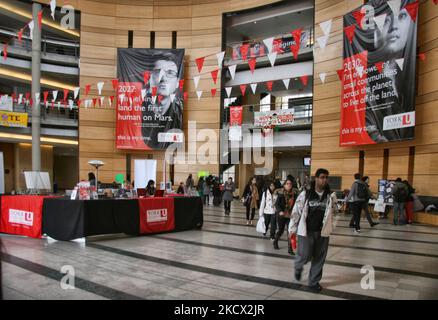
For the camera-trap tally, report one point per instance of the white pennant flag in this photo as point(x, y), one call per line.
point(380, 21)
point(322, 41)
point(20, 98)
point(76, 92)
point(272, 57)
point(59, 105)
point(70, 104)
point(400, 63)
point(31, 26)
point(101, 101)
point(395, 6)
point(269, 42)
point(196, 80)
point(253, 87)
point(228, 90)
point(326, 27)
point(55, 95)
point(172, 97)
point(161, 75)
point(100, 87)
point(322, 76)
point(52, 8)
point(220, 58)
point(199, 94)
point(87, 103)
point(143, 94)
point(232, 70)
point(286, 83)
point(360, 70)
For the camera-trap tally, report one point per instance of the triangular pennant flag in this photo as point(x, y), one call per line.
point(412, 9)
point(269, 85)
point(55, 95)
point(87, 104)
point(295, 49)
point(40, 19)
point(360, 70)
point(31, 101)
point(322, 76)
point(200, 63)
point(65, 95)
point(422, 56)
point(380, 21)
point(5, 51)
point(94, 102)
point(27, 95)
point(379, 66)
point(358, 15)
point(395, 6)
point(52, 8)
point(76, 92)
point(268, 43)
point(87, 89)
point(45, 96)
point(143, 94)
point(253, 87)
point(214, 75)
point(272, 57)
point(101, 101)
point(181, 84)
point(20, 98)
point(20, 35)
point(31, 26)
point(304, 80)
point(154, 91)
point(232, 70)
point(340, 73)
point(213, 92)
point(400, 63)
point(252, 64)
point(146, 77)
point(322, 41)
point(111, 101)
point(172, 97)
point(70, 104)
point(220, 58)
point(286, 83)
point(78, 102)
point(196, 81)
point(199, 94)
point(296, 34)
point(243, 89)
point(326, 27)
point(228, 90)
point(349, 32)
point(186, 96)
point(115, 83)
point(161, 75)
point(244, 51)
point(159, 98)
point(100, 87)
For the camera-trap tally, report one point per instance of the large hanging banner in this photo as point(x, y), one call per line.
point(150, 101)
point(378, 78)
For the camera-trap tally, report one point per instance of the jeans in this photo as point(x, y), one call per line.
point(248, 208)
point(367, 215)
point(399, 213)
point(283, 223)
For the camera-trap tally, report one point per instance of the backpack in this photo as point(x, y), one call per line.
point(401, 194)
point(362, 192)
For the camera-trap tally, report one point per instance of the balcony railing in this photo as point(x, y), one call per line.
point(63, 116)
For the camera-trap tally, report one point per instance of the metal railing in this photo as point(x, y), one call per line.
point(52, 114)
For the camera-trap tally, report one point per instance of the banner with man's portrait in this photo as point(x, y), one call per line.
point(378, 77)
point(150, 99)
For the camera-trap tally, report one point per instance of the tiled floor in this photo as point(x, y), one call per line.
point(224, 260)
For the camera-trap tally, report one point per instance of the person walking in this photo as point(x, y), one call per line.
point(207, 190)
point(189, 184)
point(365, 206)
point(409, 204)
point(283, 209)
point(311, 221)
point(228, 196)
point(356, 199)
point(400, 195)
point(251, 198)
point(267, 209)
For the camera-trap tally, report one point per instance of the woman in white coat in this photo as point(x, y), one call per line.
point(267, 209)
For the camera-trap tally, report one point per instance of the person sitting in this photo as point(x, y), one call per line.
point(92, 179)
point(150, 188)
point(180, 188)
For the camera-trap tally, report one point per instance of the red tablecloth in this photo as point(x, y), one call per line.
point(156, 214)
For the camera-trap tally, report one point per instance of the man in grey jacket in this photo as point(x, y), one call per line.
point(356, 199)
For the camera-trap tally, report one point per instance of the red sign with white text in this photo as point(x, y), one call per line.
point(236, 116)
point(156, 215)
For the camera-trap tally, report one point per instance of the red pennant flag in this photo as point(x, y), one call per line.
point(27, 95)
point(200, 63)
point(146, 76)
point(252, 64)
point(295, 50)
point(214, 75)
point(244, 51)
point(304, 80)
point(422, 56)
point(40, 19)
point(87, 89)
point(412, 9)
point(243, 89)
point(13, 97)
point(358, 15)
point(154, 91)
point(379, 66)
point(79, 103)
point(45, 95)
point(115, 83)
point(213, 92)
point(94, 102)
point(186, 96)
point(297, 36)
point(31, 101)
point(20, 35)
point(269, 85)
point(435, 1)
point(181, 84)
point(349, 32)
point(340, 74)
point(65, 95)
point(159, 98)
point(5, 51)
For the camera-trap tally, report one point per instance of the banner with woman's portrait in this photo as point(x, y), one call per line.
point(150, 97)
point(378, 76)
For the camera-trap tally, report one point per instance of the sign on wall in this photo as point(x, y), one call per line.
point(150, 101)
point(13, 119)
point(274, 118)
point(378, 77)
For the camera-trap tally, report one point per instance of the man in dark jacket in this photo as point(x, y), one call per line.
point(357, 198)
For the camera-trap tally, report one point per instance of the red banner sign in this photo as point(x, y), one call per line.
point(156, 215)
point(236, 116)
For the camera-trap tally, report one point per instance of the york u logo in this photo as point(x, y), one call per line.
point(163, 213)
point(407, 119)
